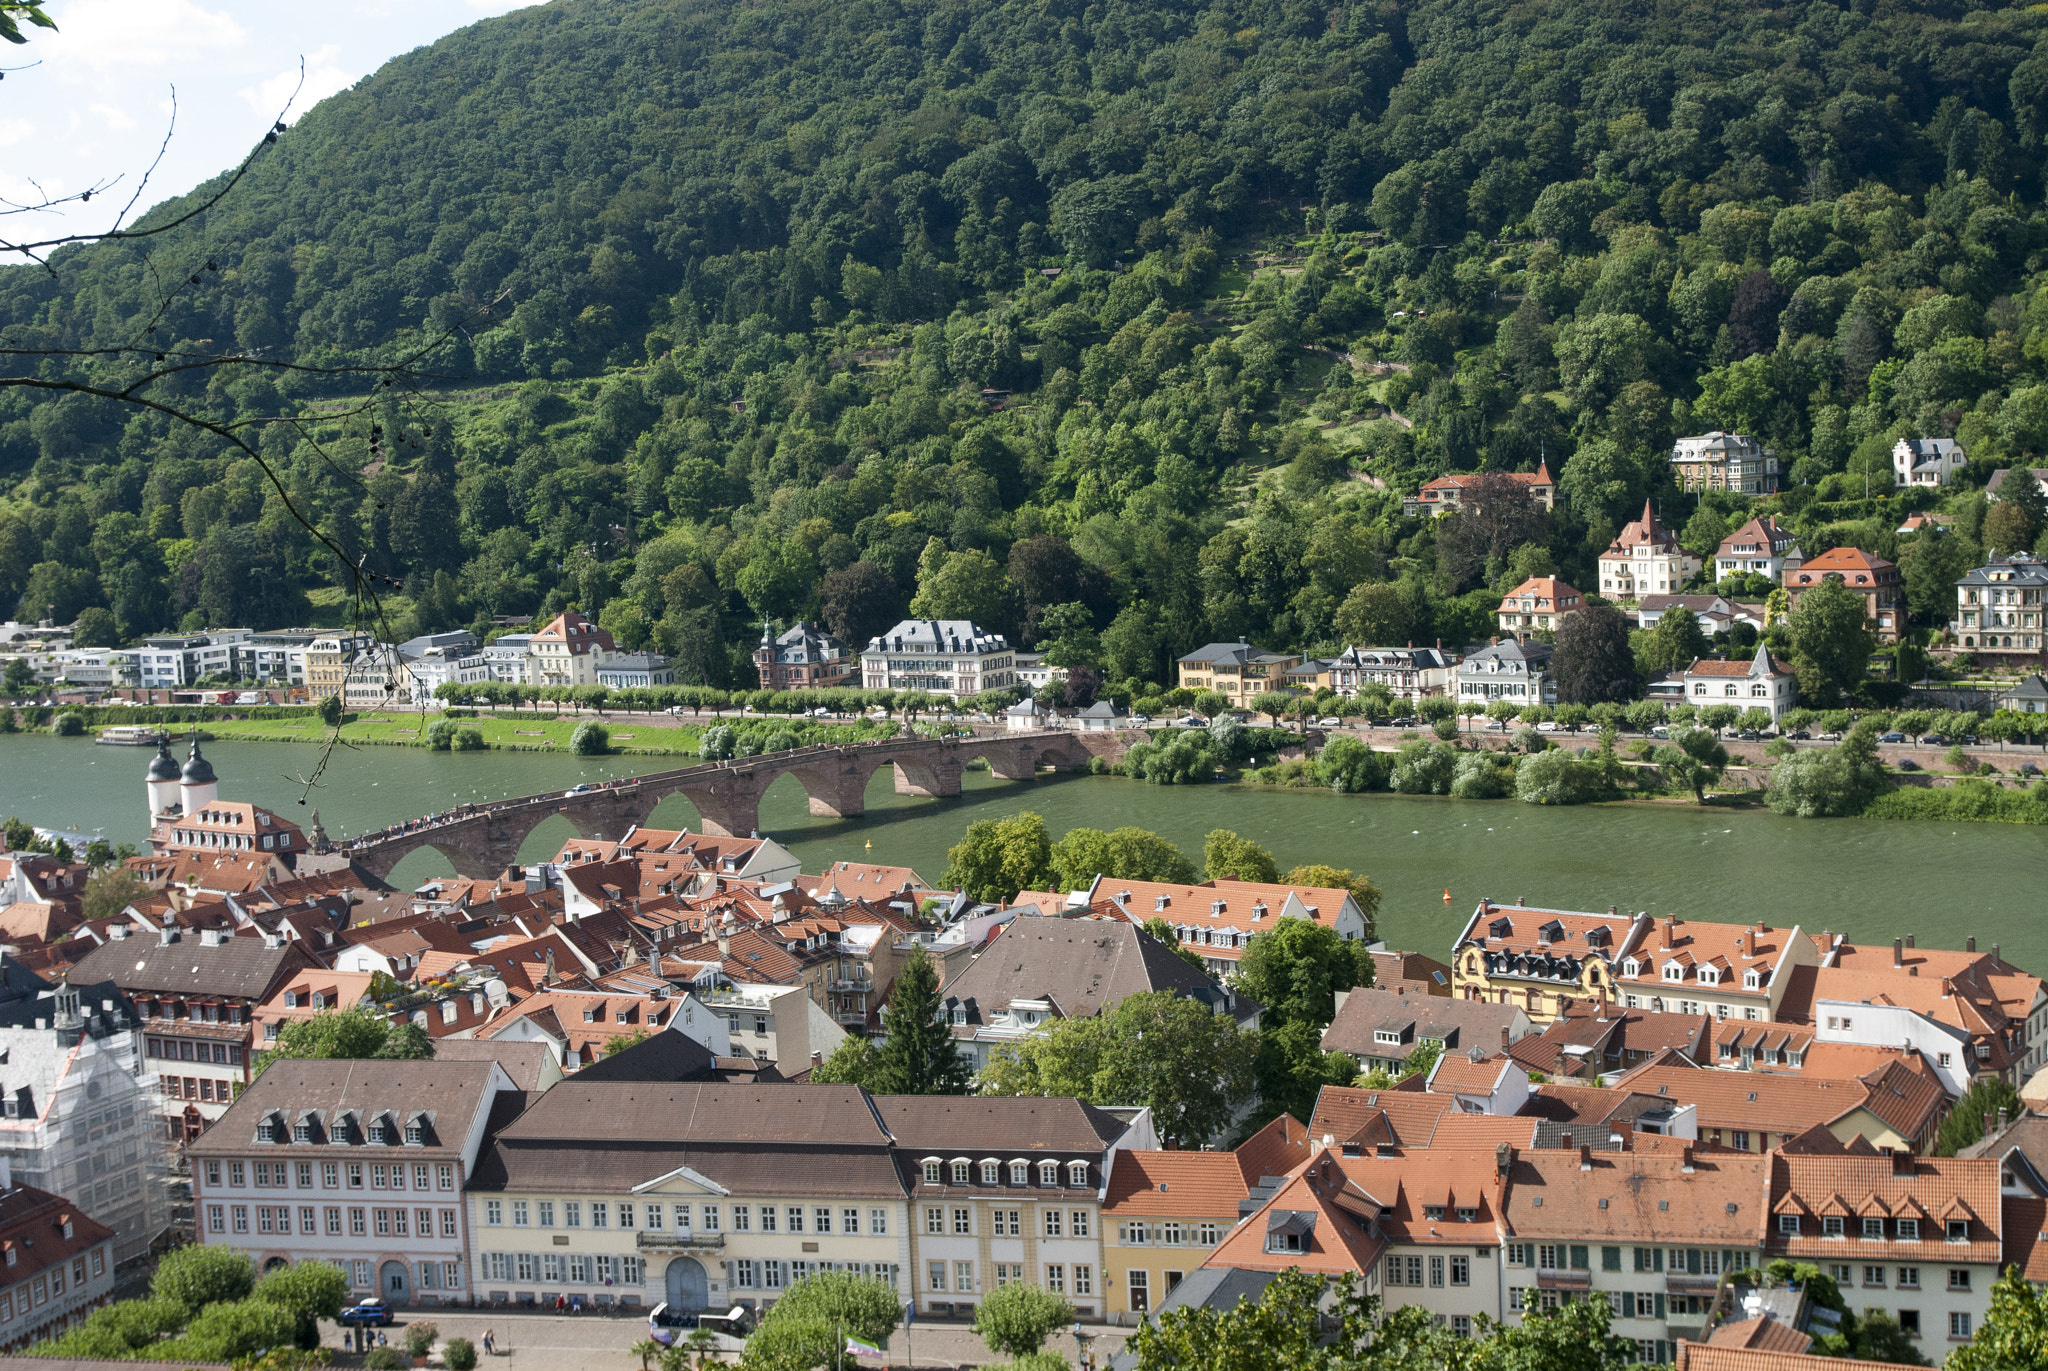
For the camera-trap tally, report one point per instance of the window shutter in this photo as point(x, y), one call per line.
point(1660, 1310)
point(1610, 1259)
point(1579, 1257)
point(1641, 1263)
point(1657, 1264)
point(1692, 1261)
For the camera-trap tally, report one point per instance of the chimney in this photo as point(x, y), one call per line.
point(2002, 1119)
point(1970, 943)
point(1504, 1037)
point(1566, 1142)
point(1503, 1158)
point(1665, 933)
point(1909, 939)
point(1898, 952)
point(166, 935)
point(1610, 911)
point(724, 943)
point(1994, 953)
point(1585, 1158)
point(1685, 1160)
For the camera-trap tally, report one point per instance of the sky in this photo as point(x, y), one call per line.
point(95, 98)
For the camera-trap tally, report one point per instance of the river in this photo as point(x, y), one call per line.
point(1874, 879)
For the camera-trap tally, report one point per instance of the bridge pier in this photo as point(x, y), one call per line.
point(1013, 762)
point(730, 807)
point(838, 793)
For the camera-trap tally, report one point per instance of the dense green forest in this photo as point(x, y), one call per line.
point(1248, 271)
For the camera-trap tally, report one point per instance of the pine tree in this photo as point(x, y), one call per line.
point(918, 1057)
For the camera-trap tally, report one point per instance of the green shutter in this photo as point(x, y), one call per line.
point(1660, 1306)
point(1579, 1254)
point(1663, 1351)
point(1692, 1261)
point(1610, 1259)
point(1642, 1259)
point(1657, 1264)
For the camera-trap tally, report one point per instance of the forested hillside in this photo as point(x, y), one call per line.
point(759, 263)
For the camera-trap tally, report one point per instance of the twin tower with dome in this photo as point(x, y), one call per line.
point(187, 815)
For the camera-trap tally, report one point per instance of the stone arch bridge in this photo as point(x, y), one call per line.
point(482, 840)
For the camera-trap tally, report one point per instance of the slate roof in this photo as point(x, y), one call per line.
point(975, 1123)
point(238, 968)
point(1458, 1024)
point(451, 1092)
point(523, 1062)
point(664, 1056)
point(1085, 967)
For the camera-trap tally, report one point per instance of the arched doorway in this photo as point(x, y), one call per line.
point(688, 1291)
point(395, 1282)
point(275, 1264)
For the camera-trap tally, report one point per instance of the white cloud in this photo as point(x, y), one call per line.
point(115, 33)
point(323, 78)
point(115, 116)
point(501, 6)
point(12, 131)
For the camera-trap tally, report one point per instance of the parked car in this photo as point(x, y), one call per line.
point(821, 712)
point(1140, 719)
point(1801, 734)
point(573, 791)
point(1908, 764)
point(1891, 737)
point(1548, 726)
point(366, 1314)
point(1933, 740)
point(1329, 723)
point(250, 697)
point(1660, 731)
point(1403, 722)
point(1750, 735)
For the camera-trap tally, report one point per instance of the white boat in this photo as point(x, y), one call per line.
point(130, 735)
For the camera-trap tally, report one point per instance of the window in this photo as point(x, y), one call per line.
point(795, 1214)
point(963, 1221)
point(1048, 1173)
point(330, 1176)
point(1077, 1173)
point(519, 1213)
point(878, 1222)
point(931, 1171)
point(1907, 1230)
point(494, 1212)
point(960, 1173)
point(309, 1219)
point(357, 1225)
point(1078, 1223)
point(1436, 1272)
point(1646, 1305)
point(447, 1223)
point(1789, 1224)
point(1958, 1324)
point(1052, 1223)
point(935, 1273)
point(1515, 1299)
point(1958, 1230)
point(1056, 1278)
point(710, 1217)
point(821, 1219)
point(1739, 1139)
point(445, 1178)
point(1084, 1280)
point(1873, 1275)
point(934, 1219)
point(1020, 1173)
point(1873, 1230)
point(355, 1175)
point(1208, 1233)
point(747, 1274)
point(1840, 1274)
point(963, 1278)
point(241, 1217)
point(572, 1213)
point(546, 1212)
point(1909, 1278)
point(1831, 1226)
point(1958, 1278)
point(1546, 1256)
point(216, 1219)
point(742, 1218)
point(1461, 1270)
point(988, 1173)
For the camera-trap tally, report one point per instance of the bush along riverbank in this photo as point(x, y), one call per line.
point(1847, 780)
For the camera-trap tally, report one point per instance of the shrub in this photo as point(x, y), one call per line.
point(329, 710)
point(69, 724)
point(384, 1359)
point(440, 735)
point(470, 740)
point(1555, 778)
point(459, 1354)
point(591, 739)
point(309, 1292)
point(1424, 768)
point(226, 1332)
point(420, 1338)
point(1482, 776)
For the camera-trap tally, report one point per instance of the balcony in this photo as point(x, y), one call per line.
point(862, 987)
point(666, 1241)
point(1564, 1280)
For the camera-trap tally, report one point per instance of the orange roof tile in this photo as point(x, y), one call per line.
point(1705, 1356)
point(1338, 1240)
point(1935, 1187)
point(1344, 1112)
point(1175, 1184)
point(1714, 1198)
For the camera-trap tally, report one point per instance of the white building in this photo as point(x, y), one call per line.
point(80, 1118)
point(1999, 612)
point(277, 655)
point(100, 668)
point(180, 659)
point(1645, 559)
point(636, 671)
point(506, 657)
point(568, 652)
point(1928, 461)
point(1760, 683)
point(776, 1023)
point(1759, 547)
point(949, 657)
point(1508, 670)
point(1407, 673)
point(363, 1164)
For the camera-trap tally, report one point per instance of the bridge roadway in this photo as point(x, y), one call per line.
point(482, 840)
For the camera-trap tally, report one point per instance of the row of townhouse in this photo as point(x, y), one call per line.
point(443, 1182)
point(1969, 1013)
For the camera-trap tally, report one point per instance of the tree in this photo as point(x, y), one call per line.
point(1225, 856)
point(591, 739)
point(964, 585)
point(2008, 529)
point(329, 710)
point(1295, 969)
point(1986, 1099)
point(19, 678)
point(857, 602)
point(1318, 876)
point(851, 1063)
point(1376, 613)
point(309, 1292)
point(626, 1040)
point(1829, 782)
point(996, 858)
point(1124, 854)
point(1676, 642)
point(1160, 931)
point(809, 1326)
point(1015, 1319)
point(1694, 759)
point(196, 1277)
point(2014, 1336)
point(354, 1034)
point(228, 1332)
point(1831, 637)
point(1593, 660)
point(918, 1057)
point(1193, 1067)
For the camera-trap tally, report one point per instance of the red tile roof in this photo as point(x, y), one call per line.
point(1930, 1189)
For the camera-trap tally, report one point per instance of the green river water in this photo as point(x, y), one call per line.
point(1874, 879)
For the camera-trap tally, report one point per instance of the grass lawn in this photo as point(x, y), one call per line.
point(541, 732)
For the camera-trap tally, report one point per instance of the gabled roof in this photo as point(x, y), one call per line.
point(1087, 967)
point(1456, 1023)
point(1692, 1196)
point(1330, 1214)
point(1941, 1188)
point(972, 1123)
point(238, 968)
point(1405, 1118)
point(1239, 653)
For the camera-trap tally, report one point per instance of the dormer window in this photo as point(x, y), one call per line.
point(1674, 971)
point(989, 1173)
point(960, 1172)
point(1020, 1173)
point(1077, 1173)
point(1048, 1173)
point(1466, 1215)
point(1709, 976)
point(302, 1132)
point(1434, 1213)
point(1752, 980)
point(415, 1134)
point(1631, 967)
point(1958, 1230)
point(931, 1171)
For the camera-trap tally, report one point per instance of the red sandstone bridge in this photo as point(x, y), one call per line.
point(482, 840)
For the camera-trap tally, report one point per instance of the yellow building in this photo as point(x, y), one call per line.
point(1163, 1213)
point(1240, 671)
point(1541, 959)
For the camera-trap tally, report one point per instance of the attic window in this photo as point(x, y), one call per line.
point(989, 1173)
point(1161, 901)
point(302, 1132)
point(1048, 1173)
point(1020, 1173)
point(931, 1171)
point(1259, 910)
point(1216, 908)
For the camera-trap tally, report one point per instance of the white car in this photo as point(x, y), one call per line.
point(1329, 723)
point(573, 791)
point(250, 697)
point(1548, 726)
point(821, 712)
point(1141, 718)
